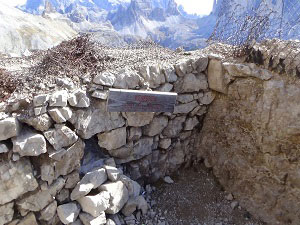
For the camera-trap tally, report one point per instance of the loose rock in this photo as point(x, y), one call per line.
point(68, 213)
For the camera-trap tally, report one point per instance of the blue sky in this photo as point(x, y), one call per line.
point(200, 7)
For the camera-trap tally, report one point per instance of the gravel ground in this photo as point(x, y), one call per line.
point(195, 198)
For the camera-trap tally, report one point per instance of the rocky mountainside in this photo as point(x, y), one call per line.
point(22, 32)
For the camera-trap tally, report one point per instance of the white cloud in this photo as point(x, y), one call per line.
point(13, 2)
point(200, 7)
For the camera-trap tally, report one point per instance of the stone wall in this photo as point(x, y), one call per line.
point(45, 141)
point(250, 138)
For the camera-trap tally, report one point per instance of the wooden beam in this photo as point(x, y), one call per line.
point(120, 100)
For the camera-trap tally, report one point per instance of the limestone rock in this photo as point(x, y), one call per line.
point(185, 98)
point(61, 137)
point(6, 213)
point(40, 123)
point(95, 205)
point(48, 212)
point(90, 181)
point(152, 74)
point(170, 74)
point(191, 123)
point(191, 83)
point(127, 79)
point(16, 179)
point(29, 143)
point(185, 108)
point(165, 143)
point(47, 173)
point(70, 160)
point(72, 179)
point(113, 139)
point(200, 64)
point(60, 115)
point(167, 87)
point(79, 99)
point(57, 186)
point(105, 79)
point(9, 127)
point(88, 124)
point(35, 201)
point(59, 99)
point(119, 196)
point(68, 213)
point(87, 219)
point(134, 189)
point(216, 76)
point(100, 94)
point(40, 110)
point(3, 147)
point(156, 126)
point(138, 119)
point(28, 220)
point(174, 127)
point(40, 100)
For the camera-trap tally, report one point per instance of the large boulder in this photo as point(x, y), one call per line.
point(113, 139)
point(29, 143)
point(88, 124)
point(118, 196)
point(9, 127)
point(68, 213)
point(61, 136)
point(16, 179)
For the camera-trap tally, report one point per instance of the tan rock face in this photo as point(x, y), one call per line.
point(251, 139)
point(16, 179)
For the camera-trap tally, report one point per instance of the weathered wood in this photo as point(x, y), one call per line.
point(120, 100)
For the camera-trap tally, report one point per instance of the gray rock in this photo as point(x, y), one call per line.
point(216, 77)
point(48, 212)
point(60, 115)
point(167, 87)
point(16, 179)
point(95, 205)
point(105, 79)
point(40, 123)
point(57, 186)
point(59, 99)
point(35, 201)
point(152, 74)
point(110, 222)
point(113, 173)
point(9, 127)
point(191, 83)
point(135, 133)
point(127, 79)
point(113, 139)
point(3, 148)
point(88, 124)
point(61, 136)
point(90, 181)
point(185, 98)
point(170, 74)
point(200, 64)
point(119, 196)
point(174, 127)
point(6, 213)
point(185, 108)
point(130, 206)
point(28, 220)
point(29, 143)
point(79, 99)
point(165, 143)
point(63, 196)
point(207, 98)
point(168, 180)
point(72, 179)
point(100, 94)
point(183, 66)
point(191, 123)
point(68, 213)
point(40, 110)
point(40, 100)
point(138, 119)
point(156, 126)
point(134, 189)
point(142, 204)
point(87, 219)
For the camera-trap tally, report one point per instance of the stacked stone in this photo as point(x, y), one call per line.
point(41, 150)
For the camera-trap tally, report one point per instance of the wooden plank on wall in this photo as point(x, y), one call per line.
point(120, 100)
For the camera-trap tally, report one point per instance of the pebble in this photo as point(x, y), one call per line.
point(168, 180)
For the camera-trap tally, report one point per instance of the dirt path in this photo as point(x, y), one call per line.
point(195, 198)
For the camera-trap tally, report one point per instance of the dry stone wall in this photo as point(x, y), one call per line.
point(250, 138)
point(43, 145)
